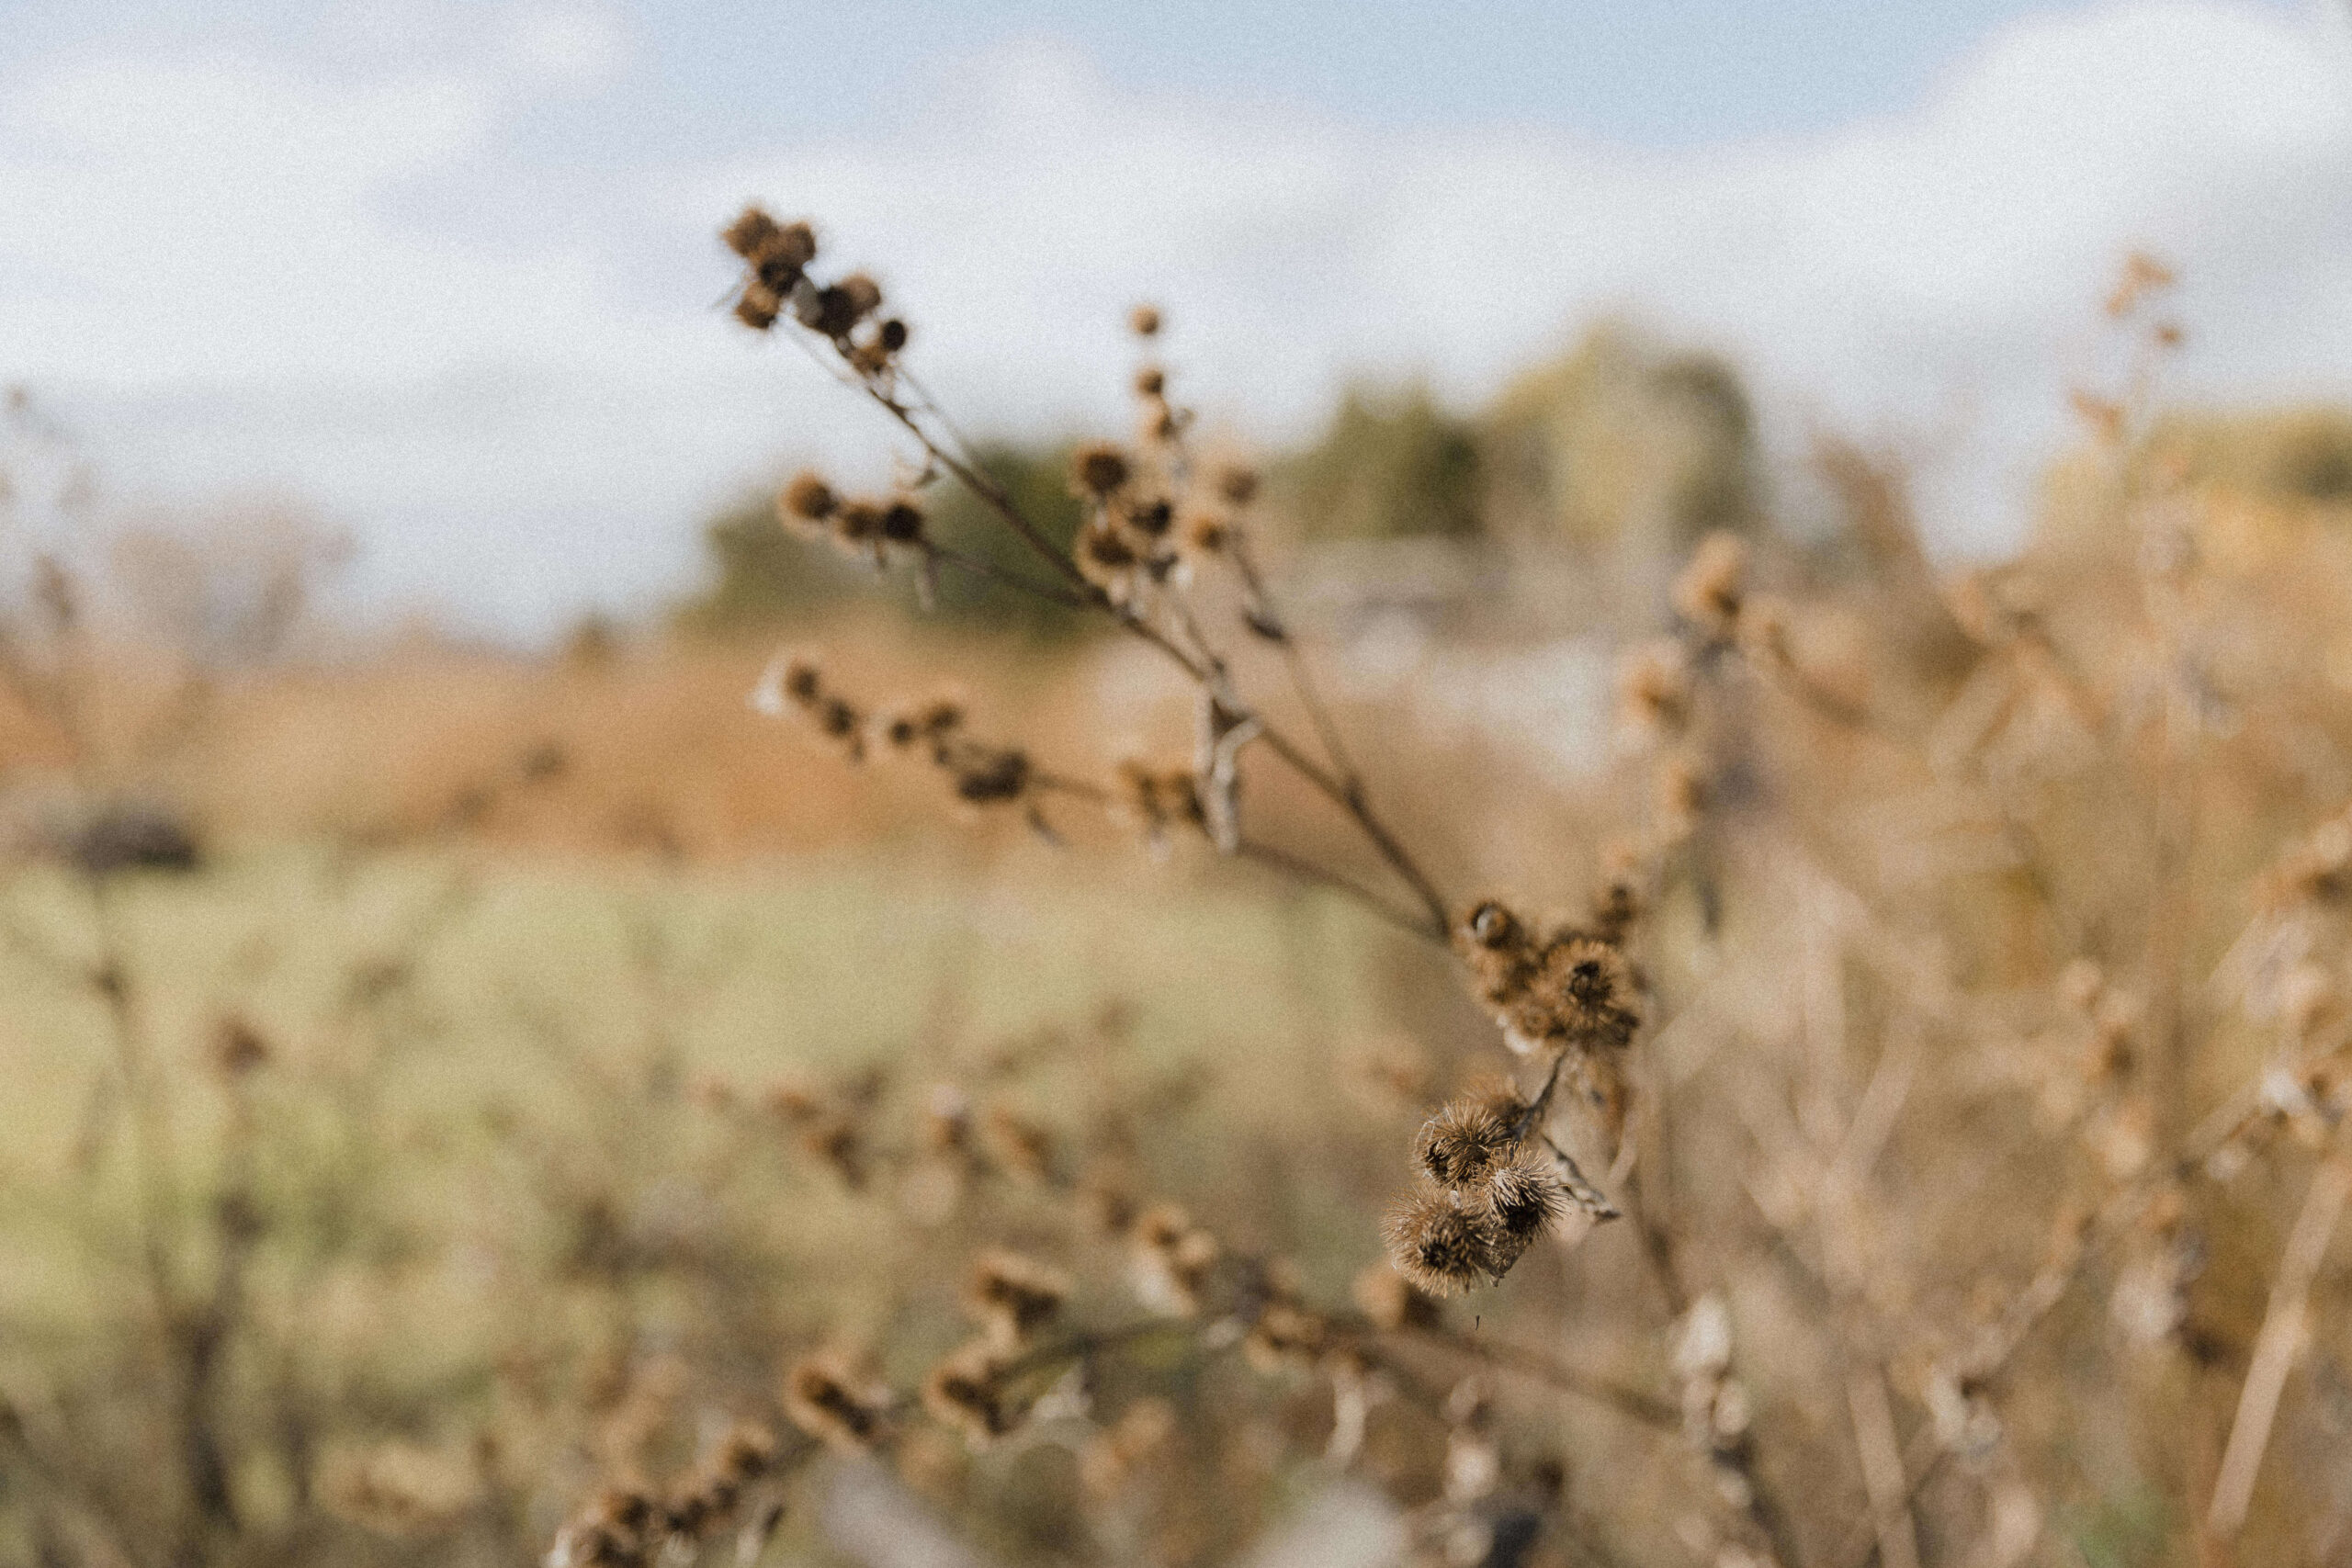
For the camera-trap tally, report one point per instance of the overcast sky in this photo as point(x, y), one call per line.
point(446, 271)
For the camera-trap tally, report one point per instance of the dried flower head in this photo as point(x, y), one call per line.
point(1441, 1243)
point(1654, 690)
point(745, 1453)
point(1237, 484)
point(1572, 992)
point(1150, 381)
point(1467, 1140)
point(1012, 1297)
point(1172, 1258)
point(808, 501)
point(826, 1400)
point(1525, 1198)
point(1207, 534)
point(758, 306)
point(967, 1392)
point(1708, 592)
point(1099, 469)
point(1144, 321)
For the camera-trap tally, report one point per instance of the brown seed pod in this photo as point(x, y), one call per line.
point(1441, 1243)
point(1099, 469)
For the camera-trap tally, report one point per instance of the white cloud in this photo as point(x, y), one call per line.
point(230, 265)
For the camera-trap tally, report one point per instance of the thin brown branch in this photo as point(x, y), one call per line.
point(1307, 871)
point(2285, 1325)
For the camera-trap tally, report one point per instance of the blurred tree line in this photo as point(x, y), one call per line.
point(1624, 448)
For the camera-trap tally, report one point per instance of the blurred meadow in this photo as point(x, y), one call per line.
point(1524, 958)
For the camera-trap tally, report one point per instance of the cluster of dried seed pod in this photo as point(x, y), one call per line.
point(979, 772)
point(865, 526)
point(846, 313)
point(1485, 1194)
point(631, 1526)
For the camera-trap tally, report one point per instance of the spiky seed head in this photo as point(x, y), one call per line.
point(965, 1391)
point(1440, 1243)
point(807, 499)
point(822, 1402)
point(1707, 595)
point(1144, 321)
point(758, 306)
point(861, 294)
point(1099, 469)
point(1150, 381)
point(1464, 1141)
point(892, 336)
point(1491, 925)
point(745, 1453)
point(1525, 1197)
point(1207, 534)
point(1011, 1296)
point(902, 521)
point(1238, 484)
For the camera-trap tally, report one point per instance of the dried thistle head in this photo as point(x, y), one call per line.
point(1525, 1197)
point(1467, 1140)
point(1151, 381)
point(1099, 470)
point(828, 1400)
point(1012, 1297)
point(1710, 591)
point(1237, 484)
point(985, 776)
point(1144, 321)
point(747, 1452)
point(1589, 987)
point(1172, 1258)
point(758, 306)
point(967, 1392)
point(1440, 1242)
point(1654, 690)
point(1207, 534)
point(861, 294)
point(807, 501)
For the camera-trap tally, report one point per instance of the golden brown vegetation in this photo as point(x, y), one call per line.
point(1891, 1110)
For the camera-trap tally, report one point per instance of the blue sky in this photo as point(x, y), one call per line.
point(444, 272)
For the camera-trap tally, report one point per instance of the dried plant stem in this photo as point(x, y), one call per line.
point(1343, 788)
point(1623, 1398)
point(2285, 1326)
point(1307, 871)
point(1883, 1476)
point(988, 571)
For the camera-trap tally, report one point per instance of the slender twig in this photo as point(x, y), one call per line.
point(990, 572)
point(1343, 789)
point(2285, 1325)
point(1307, 871)
point(1623, 1398)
